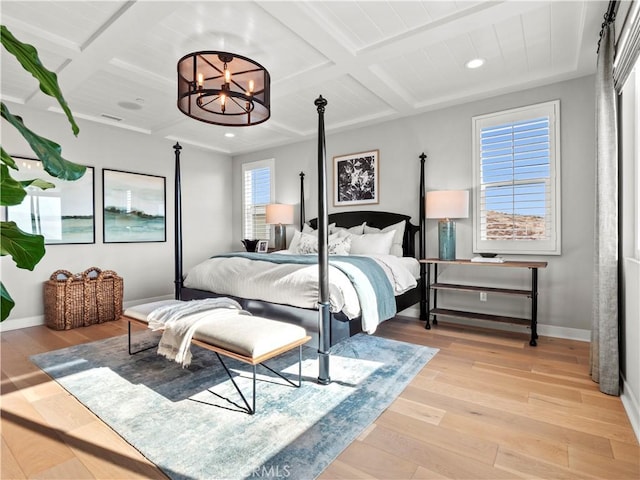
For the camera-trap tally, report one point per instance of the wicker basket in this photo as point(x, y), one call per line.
point(64, 300)
point(102, 295)
point(83, 299)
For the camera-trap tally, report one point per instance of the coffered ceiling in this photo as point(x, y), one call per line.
point(372, 60)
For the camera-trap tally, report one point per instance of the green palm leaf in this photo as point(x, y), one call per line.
point(11, 191)
point(6, 302)
point(46, 150)
point(25, 248)
point(27, 55)
point(7, 160)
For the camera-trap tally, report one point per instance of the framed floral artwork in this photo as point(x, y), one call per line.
point(355, 178)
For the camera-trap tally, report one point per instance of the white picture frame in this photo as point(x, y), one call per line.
point(263, 246)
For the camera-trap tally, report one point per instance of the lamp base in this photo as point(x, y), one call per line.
point(280, 239)
point(447, 240)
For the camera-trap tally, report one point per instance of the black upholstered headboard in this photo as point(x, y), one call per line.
point(376, 219)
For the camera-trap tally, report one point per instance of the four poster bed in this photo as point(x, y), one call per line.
point(329, 318)
point(270, 286)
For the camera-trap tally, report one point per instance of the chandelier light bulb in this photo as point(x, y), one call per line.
point(200, 80)
point(227, 75)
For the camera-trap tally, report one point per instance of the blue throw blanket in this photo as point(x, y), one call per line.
point(375, 292)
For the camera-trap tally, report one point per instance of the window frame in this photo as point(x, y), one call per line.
point(552, 246)
point(636, 69)
point(249, 166)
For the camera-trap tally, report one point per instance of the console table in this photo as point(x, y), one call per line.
point(435, 286)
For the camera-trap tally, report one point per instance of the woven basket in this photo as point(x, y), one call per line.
point(83, 299)
point(64, 300)
point(103, 296)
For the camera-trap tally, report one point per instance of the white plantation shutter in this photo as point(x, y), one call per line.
point(257, 193)
point(516, 174)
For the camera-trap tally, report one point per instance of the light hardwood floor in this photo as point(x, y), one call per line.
point(487, 406)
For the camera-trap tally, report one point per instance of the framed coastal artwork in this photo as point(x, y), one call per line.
point(355, 178)
point(134, 207)
point(62, 214)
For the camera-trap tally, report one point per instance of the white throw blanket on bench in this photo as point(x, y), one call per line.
point(180, 321)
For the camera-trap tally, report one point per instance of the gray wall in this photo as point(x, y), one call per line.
point(630, 256)
point(445, 136)
point(147, 268)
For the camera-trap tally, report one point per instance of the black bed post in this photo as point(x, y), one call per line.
point(178, 225)
point(324, 343)
point(423, 242)
point(302, 219)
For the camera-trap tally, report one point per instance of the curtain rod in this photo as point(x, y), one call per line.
point(609, 17)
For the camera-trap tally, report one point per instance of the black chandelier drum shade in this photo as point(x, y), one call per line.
point(223, 89)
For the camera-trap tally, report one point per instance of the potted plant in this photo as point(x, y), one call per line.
point(27, 249)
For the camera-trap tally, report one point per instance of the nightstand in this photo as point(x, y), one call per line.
point(432, 288)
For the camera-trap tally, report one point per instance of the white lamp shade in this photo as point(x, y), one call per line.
point(279, 213)
point(447, 204)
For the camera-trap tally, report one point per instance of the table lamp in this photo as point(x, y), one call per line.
point(446, 205)
point(280, 215)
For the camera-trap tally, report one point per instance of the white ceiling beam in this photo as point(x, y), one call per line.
point(301, 19)
point(28, 33)
point(122, 30)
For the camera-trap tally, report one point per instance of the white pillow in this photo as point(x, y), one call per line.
point(293, 246)
point(372, 243)
point(339, 245)
point(357, 230)
point(306, 228)
point(396, 245)
point(308, 243)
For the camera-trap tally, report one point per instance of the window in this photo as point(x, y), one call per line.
point(516, 168)
point(257, 193)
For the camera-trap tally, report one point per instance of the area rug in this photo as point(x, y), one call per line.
point(186, 422)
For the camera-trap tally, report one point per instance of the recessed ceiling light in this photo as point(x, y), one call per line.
point(130, 105)
point(475, 63)
point(229, 135)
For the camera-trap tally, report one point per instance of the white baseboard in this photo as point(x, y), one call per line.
point(413, 311)
point(569, 333)
point(26, 322)
point(632, 407)
point(544, 330)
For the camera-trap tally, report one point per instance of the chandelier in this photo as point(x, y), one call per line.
point(223, 89)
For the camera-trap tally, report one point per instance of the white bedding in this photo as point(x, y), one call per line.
point(294, 284)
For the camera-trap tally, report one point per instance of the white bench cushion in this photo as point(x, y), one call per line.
point(140, 312)
point(246, 335)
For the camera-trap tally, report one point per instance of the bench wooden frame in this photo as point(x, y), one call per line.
point(253, 361)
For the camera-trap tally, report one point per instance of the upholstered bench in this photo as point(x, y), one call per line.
point(247, 338)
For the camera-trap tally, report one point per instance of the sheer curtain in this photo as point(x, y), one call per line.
point(605, 368)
